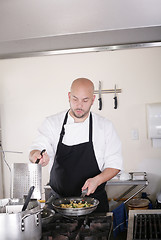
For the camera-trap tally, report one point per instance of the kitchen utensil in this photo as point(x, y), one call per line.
point(115, 99)
point(84, 192)
point(38, 160)
point(75, 211)
point(28, 198)
point(100, 98)
point(20, 225)
point(25, 175)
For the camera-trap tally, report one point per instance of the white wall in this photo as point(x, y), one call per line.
point(33, 88)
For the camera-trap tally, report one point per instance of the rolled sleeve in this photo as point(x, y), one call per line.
point(44, 139)
point(113, 152)
point(48, 135)
point(107, 145)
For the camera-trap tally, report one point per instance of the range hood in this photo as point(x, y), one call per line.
point(82, 42)
point(32, 28)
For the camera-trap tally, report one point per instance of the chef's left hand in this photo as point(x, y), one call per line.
point(91, 184)
point(104, 176)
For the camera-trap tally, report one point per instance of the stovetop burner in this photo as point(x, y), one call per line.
point(89, 227)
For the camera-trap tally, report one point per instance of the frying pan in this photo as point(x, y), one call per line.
point(74, 211)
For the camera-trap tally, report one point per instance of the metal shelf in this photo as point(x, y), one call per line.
point(133, 183)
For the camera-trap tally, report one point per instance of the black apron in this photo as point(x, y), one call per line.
point(72, 166)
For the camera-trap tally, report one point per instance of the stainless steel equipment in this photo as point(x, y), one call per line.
point(23, 177)
point(144, 224)
point(17, 224)
point(138, 179)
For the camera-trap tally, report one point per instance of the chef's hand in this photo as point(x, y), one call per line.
point(91, 184)
point(36, 154)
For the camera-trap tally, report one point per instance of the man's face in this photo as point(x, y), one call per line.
point(81, 100)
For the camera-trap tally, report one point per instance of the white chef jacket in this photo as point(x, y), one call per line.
point(106, 143)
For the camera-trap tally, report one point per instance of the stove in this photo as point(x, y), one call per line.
point(89, 227)
point(144, 224)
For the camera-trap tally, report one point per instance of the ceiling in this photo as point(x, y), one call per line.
point(36, 26)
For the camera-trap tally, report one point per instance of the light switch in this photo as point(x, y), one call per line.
point(134, 134)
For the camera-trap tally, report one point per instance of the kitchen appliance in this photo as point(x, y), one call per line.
point(92, 226)
point(144, 224)
point(24, 176)
point(16, 224)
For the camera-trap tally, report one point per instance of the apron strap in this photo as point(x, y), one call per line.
point(90, 128)
point(63, 130)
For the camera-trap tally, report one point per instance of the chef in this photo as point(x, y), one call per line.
point(82, 148)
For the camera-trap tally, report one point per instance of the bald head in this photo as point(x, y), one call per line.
point(81, 98)
point(83, 83)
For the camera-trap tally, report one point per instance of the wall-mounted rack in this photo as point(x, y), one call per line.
point(101, 91)
point(118, 90)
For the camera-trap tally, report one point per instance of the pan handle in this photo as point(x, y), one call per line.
point(50, 201)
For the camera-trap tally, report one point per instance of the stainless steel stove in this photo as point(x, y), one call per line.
point(144, 224)
point(89, 227)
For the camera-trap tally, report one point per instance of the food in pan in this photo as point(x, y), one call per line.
point(74, 204)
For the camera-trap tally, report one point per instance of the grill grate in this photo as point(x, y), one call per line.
point(147, 227)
